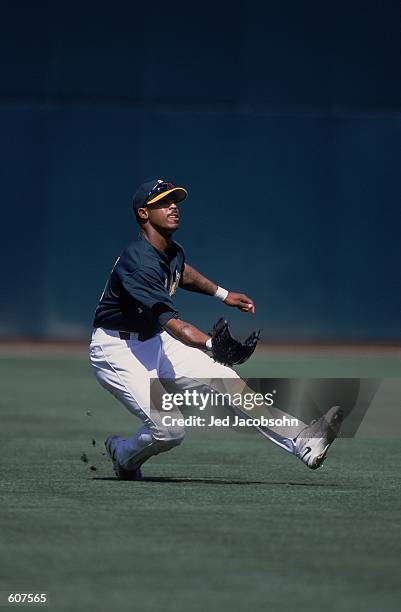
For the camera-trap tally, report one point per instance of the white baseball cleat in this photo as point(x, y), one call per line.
point(313, 442)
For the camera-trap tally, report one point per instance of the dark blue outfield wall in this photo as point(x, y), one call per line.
point(284, 122)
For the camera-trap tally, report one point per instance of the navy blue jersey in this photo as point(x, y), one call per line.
point(137, 296)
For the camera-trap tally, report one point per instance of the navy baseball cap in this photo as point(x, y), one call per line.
point(153, 191)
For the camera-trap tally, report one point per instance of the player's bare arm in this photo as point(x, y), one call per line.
point(187, 333)
point(192, 280)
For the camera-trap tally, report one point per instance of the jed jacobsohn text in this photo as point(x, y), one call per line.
point(201, 400)
point(197, 421)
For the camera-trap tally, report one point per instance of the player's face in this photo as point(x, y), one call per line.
point(164, 215)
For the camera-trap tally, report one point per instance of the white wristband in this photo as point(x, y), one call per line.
point(221, 293)
point(209, 344)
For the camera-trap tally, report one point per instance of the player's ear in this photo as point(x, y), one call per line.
point(142, 214)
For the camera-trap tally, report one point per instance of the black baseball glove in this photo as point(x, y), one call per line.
point(226, 349)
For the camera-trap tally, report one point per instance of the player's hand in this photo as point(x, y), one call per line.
point(241, 301)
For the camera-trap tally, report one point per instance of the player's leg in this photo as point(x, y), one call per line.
point(125, 369)
point(192, 367)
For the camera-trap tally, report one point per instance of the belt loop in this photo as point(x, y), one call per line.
point(124, 335)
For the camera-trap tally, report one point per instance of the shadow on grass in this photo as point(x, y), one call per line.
point(220, 481)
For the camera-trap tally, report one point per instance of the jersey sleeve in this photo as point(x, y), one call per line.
point(145, 286)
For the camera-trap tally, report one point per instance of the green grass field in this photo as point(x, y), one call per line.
point(226, 521)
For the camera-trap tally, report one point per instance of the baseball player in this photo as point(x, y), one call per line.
point(139, 337)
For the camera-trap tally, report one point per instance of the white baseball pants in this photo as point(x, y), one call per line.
point(126, 369)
